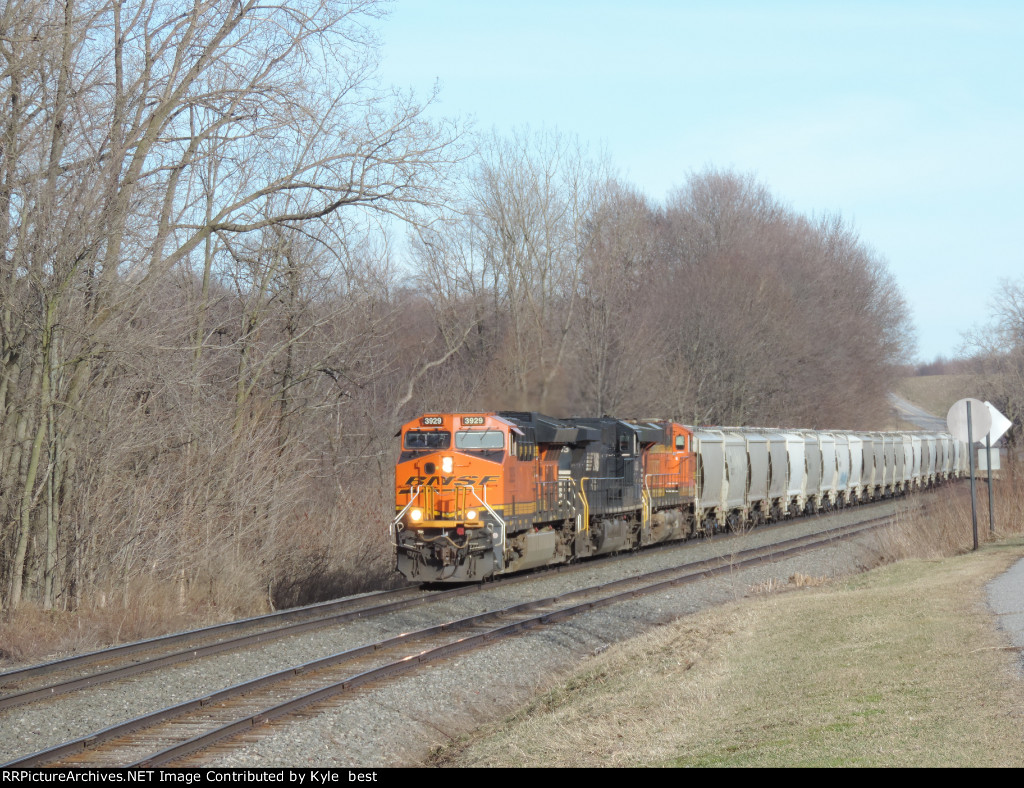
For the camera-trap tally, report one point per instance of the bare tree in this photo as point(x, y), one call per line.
point(997, 352)
point(620, 338)
point(138, 138)
point(787, 321)
point(531, 202)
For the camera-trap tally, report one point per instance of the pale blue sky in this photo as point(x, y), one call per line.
point(904, 117)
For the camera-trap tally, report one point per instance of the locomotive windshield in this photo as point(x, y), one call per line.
point(432, 440)
point(469, 440)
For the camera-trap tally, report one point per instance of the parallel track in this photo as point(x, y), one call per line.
point(173, 734)
point(51, 679)
point(38, 682)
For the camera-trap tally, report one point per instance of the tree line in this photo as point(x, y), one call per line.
point(994, 354)
point(233, 264)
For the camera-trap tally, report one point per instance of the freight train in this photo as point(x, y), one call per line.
point(486, 494)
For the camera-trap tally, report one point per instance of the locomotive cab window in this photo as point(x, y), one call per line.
point(470, 440)
point(680, 443)
point(427, 440)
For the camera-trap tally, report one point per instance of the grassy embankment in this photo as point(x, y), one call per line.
point(900, 666)
point(936, 393)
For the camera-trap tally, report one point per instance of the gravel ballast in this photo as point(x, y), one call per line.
point(400, 722)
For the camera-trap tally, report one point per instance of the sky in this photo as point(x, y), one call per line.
point(905, 118)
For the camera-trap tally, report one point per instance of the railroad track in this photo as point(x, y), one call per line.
point(52, 679)
point(172, 735)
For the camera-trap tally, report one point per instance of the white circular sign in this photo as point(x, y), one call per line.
point(981, 420)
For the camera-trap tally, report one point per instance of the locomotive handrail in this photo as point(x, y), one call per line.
point(486, 505)
point(494, 514)
point(672, 479)
point(585, 524)
point(393, 528)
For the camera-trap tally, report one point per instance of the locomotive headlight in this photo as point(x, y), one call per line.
point(471, 514)
point(446, 464)
point(415, 515)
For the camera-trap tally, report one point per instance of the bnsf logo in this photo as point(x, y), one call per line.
point(447, 481)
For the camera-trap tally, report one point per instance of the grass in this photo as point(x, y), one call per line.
point(900, 666)
point(146, 609)
point(937, 393)
point(313, 564)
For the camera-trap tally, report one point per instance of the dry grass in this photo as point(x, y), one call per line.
point(901, 666)
point(894, 669)
point(938, 524)
point(937, 393)
point(798, 580)
point(324, 555)
point(145, 609)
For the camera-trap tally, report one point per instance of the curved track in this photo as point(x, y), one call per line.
point(172, 734)
point(51, 679)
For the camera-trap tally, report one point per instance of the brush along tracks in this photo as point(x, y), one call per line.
point(48, 680)
point(52, 679)
point(171, 735)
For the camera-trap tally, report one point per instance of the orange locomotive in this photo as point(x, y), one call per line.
point(480, 494)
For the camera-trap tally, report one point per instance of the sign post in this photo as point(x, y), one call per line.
point(1000, 424)
point(967, 418)
point(974, 503)
point(988, 473)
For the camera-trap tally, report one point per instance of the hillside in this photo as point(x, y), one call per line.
point(891, 668)
point(899, 666)
point(937, 393)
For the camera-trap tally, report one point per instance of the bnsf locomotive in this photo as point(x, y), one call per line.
point(481, 494)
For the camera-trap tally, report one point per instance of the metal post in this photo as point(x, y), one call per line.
point(970, 454)
point(988, 464)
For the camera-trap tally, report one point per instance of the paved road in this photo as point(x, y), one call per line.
point(1006, 598)
point(917, 416)
point(1005, 593)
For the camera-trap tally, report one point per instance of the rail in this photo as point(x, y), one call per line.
point(174, 733)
